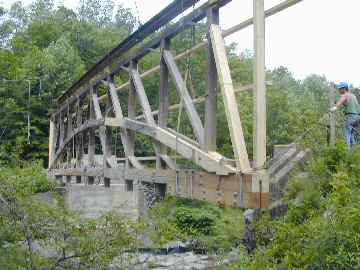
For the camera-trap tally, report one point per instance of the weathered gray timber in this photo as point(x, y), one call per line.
point(83, 141)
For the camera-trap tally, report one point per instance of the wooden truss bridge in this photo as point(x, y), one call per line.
point(81, 140)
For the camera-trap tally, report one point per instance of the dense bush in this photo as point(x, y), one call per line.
point(194, 221)
point(322, 227)
point(207, 226)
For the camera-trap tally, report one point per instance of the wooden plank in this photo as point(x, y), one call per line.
point(185, 96)
point(200, 100)
point(79, 137)
point(259, 126)
point(91, 145)
point(62, 129)
point(119, 114)
point(135, 162)
point(102, 132)
point(231, 107)
point(163, 17)
point(212, 82)
point(52, 141)
point(270, 12)
point(211, 162)
point(164, 92)
point(69, 131)
point(144, 102)
point(131, 114)
point(170, 32)
point(169, 162)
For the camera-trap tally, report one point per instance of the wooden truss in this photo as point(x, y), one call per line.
point(80, 130)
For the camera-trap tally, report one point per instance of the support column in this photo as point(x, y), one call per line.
point(91, 146)
point(131, 115)
point(260, 186)
point(164, 93)
point(259, 131)
point(69, 131)
point(52, 142)
point(212, 81)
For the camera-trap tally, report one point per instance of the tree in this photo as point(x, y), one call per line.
point(36, 234)
point(95, 11)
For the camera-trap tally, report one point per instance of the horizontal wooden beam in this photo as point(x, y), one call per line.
point(184, 23)
point(162, 18)
point(272, 11)
point(200, 100)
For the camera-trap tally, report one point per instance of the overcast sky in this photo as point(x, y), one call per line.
point(314, 36)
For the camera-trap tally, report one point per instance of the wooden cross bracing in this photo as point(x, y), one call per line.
point(80, 130)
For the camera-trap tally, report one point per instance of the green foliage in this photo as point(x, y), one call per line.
point(321, 228)
point(194, 221)
point(37, 232)
point(55, 45)
point(207, 226)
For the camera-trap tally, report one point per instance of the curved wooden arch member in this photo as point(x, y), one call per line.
point(89, 124)
point(211, 162)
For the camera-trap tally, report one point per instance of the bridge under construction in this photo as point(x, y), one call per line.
point(84, 143)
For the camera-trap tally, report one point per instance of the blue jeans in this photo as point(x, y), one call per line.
point(352, 120)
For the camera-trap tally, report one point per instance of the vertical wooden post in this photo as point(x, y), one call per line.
point(212, 80)
point(332, 116)
point(131, 115)
point(69, 134)
point(259, 131)
point(52, 142)
point(164, 92)
point(260, 186)
point(61, 127)
point(91, 146)
point(79, 137)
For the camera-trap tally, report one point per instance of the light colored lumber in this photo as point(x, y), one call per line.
point(228, 93)
point(185, 96)
point(272, 11)
point(211, 162)
point(259, 116)
point(52, 141)
point(145, 105)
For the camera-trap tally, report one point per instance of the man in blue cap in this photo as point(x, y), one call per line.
point(350, 106)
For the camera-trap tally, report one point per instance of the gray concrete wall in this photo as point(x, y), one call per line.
point(94, 200)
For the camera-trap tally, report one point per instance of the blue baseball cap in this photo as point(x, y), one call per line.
point(343, 85)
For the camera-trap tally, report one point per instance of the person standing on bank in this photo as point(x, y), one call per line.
point(350, 106)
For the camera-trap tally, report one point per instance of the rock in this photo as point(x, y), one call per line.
point(278, 209)
point(143, 258)
point(176, 247)
point(190, 257)
point(250, 215)
point(226, 262)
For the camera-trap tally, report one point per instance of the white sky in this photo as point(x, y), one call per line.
point(314, 36)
